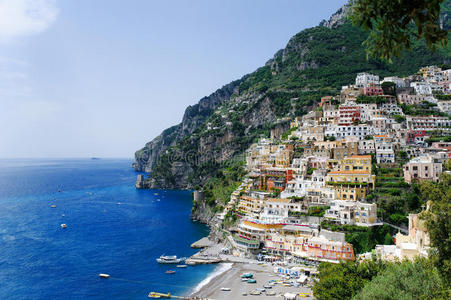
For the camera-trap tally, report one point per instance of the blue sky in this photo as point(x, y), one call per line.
point(101, 78)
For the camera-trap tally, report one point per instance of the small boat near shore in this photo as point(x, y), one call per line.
point(171, 259)
point(156, 295)
point(226, 289)
point(103, 275)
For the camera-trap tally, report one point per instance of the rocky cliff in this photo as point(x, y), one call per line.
point(314, 63)
point(193, 117)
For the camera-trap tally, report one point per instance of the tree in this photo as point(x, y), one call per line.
point(346, 279)
point(438, 221)
point(405, 280)
point(389, 88)
point(395, 25)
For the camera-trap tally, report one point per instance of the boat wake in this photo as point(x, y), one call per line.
point(220, 269)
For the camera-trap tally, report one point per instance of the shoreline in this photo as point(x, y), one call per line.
point(231, 278)
point(221, 269)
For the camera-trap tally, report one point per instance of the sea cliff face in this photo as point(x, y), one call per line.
point(316, 62)
point(193, 117)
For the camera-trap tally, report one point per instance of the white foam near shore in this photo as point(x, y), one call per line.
point(220, 269)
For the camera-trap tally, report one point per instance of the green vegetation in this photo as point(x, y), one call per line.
point(287, 133)
point(346, 279)
point(376, 279)
point(217, 190)
point(396, 25)
point(363, 239)
point(438, 221)
point(394, 197)
point(405, 280)
point(317, 211)
point(443, 97)
point(310, 171)
point(417, 110)
point(399, 118)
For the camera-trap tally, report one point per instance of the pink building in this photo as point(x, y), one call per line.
point(373, 90)
point(422, 168)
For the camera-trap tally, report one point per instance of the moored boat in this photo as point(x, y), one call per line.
point(156, 295)
point(172, 259)
point(226, 289)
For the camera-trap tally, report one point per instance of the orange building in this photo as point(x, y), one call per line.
point(322, 248)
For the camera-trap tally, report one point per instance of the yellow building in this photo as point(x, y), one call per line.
point(249, 205)
point(352, 178)
point(343, 192)
point(355, 163)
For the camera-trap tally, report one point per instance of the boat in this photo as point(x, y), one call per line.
point(267, 286)
point(255, 293)
point(247, 275)
point(252, 281)
point(226, 289)
point(172, 259)
point(103, 275)
point(270, 293)
point(118, 203)
point(170, 272)
point(156, 295)
point(244, 294)
point(181, 266)
point(244, 279)
point(53, 206)
point(63, 226)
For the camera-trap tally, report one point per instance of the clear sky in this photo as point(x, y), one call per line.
point(82, 78)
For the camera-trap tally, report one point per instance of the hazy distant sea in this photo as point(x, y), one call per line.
point(40, 260)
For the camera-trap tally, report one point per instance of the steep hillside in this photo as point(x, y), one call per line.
point(315, 62)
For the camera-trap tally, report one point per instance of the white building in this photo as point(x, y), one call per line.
point(422, 88)
point(392, 109)
point(353, 213)
point(444, 106)
point(360, 131)
point(399, 82)
point(366, 79)
point(385, 153)
point(366, 147)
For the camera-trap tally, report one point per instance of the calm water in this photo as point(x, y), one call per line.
point(40, 260)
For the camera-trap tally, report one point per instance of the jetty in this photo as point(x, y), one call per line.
point(202, 243)
point(210, 253)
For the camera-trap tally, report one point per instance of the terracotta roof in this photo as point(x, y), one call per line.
point(279, 200)
point(361, 156)
point(350, 172)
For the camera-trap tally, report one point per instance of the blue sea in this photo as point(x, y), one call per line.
point(40, 260)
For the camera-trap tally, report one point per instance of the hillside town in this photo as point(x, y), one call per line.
point(338, 166)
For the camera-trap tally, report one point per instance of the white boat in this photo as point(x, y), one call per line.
point(63, 225)
point(172, 259)
point(226, 289)
point(103, 275)
point(181, 266)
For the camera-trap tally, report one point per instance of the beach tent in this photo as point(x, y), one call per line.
point(289, 296)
